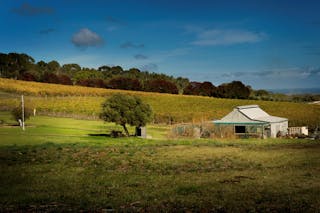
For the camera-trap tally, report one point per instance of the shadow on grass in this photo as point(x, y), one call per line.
point(113, 134)
point(99, 135)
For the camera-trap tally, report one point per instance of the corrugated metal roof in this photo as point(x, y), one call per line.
point(272, 119)
point(239, 123)
point(249, 114)
point(247, 106)
point(235, 116)
point(253, 112)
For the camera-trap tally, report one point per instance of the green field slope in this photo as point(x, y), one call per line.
point(75, 101)
point(64, 165)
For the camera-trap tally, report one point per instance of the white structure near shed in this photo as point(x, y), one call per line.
point(141, 132)
point(301, 130)
point(252, 121)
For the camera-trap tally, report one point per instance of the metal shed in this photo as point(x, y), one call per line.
point(251, 120)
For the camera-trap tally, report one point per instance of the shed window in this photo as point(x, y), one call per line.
point(240, 129)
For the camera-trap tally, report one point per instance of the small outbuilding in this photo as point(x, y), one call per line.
point(141, 132)
point(252, 121)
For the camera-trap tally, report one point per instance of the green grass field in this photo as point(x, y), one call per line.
point(61, 164)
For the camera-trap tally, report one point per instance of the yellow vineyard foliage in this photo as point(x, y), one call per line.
point(86, 102)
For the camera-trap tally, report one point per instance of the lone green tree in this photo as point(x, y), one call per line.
point(125, 109)
point(17, 113)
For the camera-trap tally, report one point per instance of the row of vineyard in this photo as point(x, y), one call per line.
point(75, 101)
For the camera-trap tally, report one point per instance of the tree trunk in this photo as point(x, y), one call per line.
point(125, 129)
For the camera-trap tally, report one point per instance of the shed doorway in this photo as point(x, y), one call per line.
point(240, 129)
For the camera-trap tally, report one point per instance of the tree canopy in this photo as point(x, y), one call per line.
point(204, 89)
point(23, 67)
point(125, 109)
point(235, 89)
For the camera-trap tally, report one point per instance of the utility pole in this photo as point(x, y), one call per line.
point(22, 105)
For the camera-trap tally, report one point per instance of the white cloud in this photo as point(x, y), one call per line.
point(227, 37)
point(85, 38)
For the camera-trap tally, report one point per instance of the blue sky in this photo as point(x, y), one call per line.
point(266, 44)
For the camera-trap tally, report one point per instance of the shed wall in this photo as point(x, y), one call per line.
point(281, 127)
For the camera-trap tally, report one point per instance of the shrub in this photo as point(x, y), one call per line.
point(17, 113)
point(223, 132)
point(203, 130)
point(207, 130)
point(185, 130)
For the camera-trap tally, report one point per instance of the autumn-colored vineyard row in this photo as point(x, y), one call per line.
point(86, 102)
point(45, 89)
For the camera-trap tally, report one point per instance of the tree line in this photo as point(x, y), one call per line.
point(24, 67)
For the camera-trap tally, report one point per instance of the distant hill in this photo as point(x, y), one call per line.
point(294, 91)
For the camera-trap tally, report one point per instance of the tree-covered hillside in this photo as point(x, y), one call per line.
point(24, 67)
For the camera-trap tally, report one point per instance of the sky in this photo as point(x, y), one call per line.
point(268, 44)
